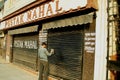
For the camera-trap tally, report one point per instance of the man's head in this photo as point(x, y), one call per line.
point(44, 44)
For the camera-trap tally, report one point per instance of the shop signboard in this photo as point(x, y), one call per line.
point(28, 44)
point(90, 42)
point(47, 10)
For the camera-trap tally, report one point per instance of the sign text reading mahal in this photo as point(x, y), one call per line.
point(43, 11)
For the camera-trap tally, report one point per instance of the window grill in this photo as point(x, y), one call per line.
point(113, 57)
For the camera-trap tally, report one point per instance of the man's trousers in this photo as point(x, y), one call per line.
point(43, 70)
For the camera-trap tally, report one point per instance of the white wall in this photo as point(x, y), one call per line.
point(12, 5)
point(101, 41)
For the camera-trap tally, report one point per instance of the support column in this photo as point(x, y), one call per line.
point(9, 55)
point(101, 42)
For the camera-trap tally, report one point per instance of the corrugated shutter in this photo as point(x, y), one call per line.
point(76, 20)
point(23, 30)
point(25, 50)
point(67, 60)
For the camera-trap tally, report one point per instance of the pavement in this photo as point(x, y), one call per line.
point(9, 71)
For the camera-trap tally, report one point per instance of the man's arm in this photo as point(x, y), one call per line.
point(51, 52)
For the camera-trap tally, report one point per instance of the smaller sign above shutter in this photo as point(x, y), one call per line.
point(23, 30)
point(77, 20)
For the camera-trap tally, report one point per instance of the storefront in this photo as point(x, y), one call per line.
point(73, 39)
point(70, 30)
point(24, 46)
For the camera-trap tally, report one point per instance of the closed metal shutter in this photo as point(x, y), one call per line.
point(25, 50)
point(67, 60)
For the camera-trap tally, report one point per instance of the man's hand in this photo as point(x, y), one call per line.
point(52, 51)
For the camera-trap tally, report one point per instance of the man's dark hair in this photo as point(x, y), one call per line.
point(44, 43)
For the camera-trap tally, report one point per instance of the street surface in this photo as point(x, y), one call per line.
point(9, 71)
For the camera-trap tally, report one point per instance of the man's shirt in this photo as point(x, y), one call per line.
point(43, 54)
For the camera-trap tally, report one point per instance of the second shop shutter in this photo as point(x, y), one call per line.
point(25, 50)
point(67, 60)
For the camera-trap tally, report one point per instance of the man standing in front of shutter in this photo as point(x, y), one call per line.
point(43, 59)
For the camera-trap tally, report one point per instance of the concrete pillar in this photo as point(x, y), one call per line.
point(101, 41)
point(9, 48)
